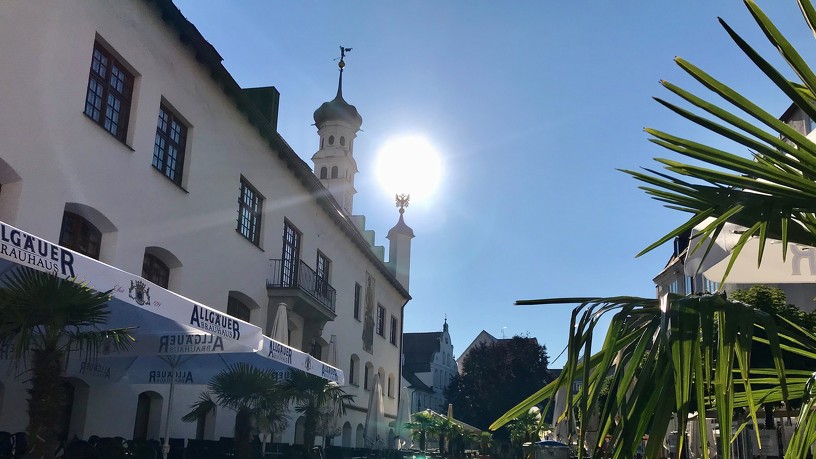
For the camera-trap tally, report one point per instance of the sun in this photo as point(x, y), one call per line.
point(409, 165)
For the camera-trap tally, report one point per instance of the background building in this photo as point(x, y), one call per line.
point(126, 139)
point(427, 369)
point(685, 273)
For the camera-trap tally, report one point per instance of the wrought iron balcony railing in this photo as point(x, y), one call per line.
point(298, 275)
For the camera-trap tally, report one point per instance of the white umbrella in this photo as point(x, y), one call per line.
point(403, 411)
point(375, 415)
point(331, 355)
point(280, 326)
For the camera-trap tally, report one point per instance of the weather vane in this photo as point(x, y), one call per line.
point(343, 51)
point(402, 202)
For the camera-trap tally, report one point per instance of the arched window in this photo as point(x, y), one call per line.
point(334, 172)
point(236, 308)
point(354, 370)
point(324, 172)
point(346, 435)
point(148, 416)
point(155, 270)
point(300, 425)
point(342, 141)
point(80, 235)
point(390, 386)
point(369, 370)
point(360, 440)
point(331, 140)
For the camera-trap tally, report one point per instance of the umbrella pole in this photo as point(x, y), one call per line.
point(166, 447)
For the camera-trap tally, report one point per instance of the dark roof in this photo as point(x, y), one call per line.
point(418, 350)
point(338, 110)
point(206, 54)
point(415, 383)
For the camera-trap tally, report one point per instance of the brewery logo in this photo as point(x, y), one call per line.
point(23, 247)
point(280, 352)
point(139, 292)
point(190, 344)
point(215, 322)
point(95, 369)
point(308, 363)
point(329, 373)
point(165, 376)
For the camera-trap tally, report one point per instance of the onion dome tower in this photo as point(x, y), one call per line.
point(337, 124)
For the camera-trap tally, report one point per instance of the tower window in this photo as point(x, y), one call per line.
point(334, 172)
point(331, 140)
point(342, 141)
point(324, 173)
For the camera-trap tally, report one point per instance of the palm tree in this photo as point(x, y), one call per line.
point(422, 423)
point(256, 395)
point(46, 318)
point(692, 354)
point(527, 427)
point(316, 399)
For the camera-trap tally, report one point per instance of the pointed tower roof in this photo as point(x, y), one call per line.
point(401, 227)
point(338, 109)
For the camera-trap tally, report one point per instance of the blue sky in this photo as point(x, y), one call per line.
point(533, 104)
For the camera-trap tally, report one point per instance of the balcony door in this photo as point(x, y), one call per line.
point(322, 274)
point(290, 258)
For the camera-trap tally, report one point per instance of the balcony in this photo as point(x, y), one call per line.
point(311, 297)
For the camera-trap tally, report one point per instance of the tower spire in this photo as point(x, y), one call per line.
point(342, 65)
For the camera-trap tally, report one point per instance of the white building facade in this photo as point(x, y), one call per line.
point(124, 138)
point(428, 368)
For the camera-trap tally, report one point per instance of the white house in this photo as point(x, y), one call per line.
point(428, 368)
point(685, 273)
point(125, 138)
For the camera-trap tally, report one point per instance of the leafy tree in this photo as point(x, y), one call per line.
point(494, 376)
point(318, 400)
point(773, 301)
point(47, 318)
point(698, 349)
point(259, 400)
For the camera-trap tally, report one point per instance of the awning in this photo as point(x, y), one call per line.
point(168, 326)
point(799, 265)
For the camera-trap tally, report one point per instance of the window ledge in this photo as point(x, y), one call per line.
point(180, 187)
point(248, 241)
point(108, 134)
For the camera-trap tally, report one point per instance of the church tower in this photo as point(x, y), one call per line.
point(337, 124)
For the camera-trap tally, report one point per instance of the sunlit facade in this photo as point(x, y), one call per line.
point(125, 138)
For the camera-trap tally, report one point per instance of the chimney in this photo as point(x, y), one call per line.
point(267, 99)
